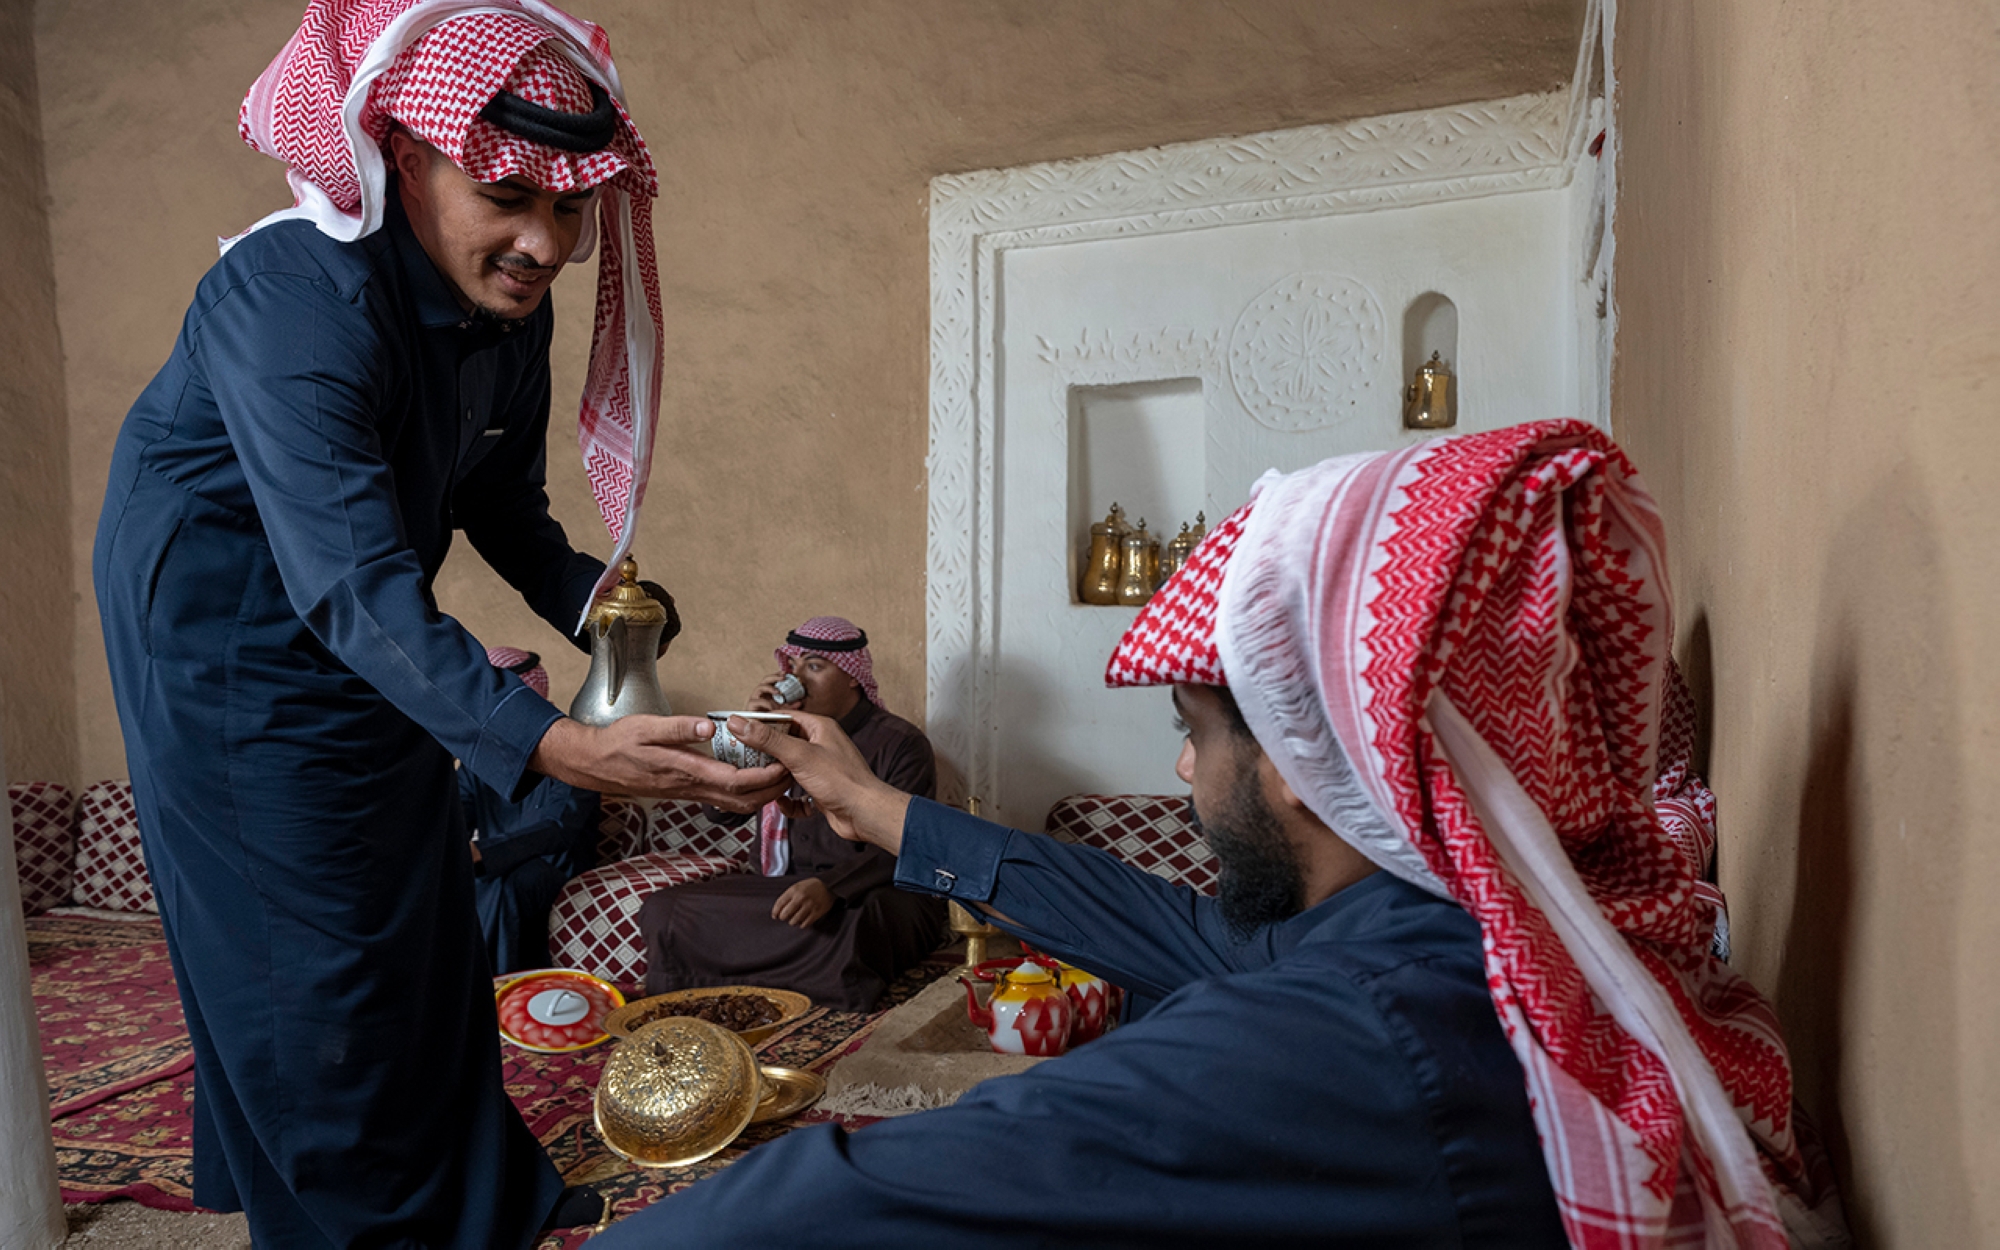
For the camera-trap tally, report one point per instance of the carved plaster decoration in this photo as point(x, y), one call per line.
point(1304, 353)
point(1462, 152)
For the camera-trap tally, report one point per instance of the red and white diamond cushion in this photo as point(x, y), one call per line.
point(594, 925)
point(686, 829)
point(110, 865)
point(44, 842)
point(1148, 831)
point(621, 830)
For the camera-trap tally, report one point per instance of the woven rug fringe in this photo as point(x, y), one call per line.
point(874, 1100)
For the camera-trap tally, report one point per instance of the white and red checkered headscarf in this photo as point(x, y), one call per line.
point(1457, 655)
point(523, 664)
point(325, 104)
point(848, 650)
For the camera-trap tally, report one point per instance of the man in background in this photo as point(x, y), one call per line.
point(824, 917)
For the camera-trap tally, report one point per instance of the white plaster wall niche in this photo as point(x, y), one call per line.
point(1262, 285)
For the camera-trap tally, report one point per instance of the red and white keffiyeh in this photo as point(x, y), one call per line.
point(774, 841)
point(324, 105)
point(1457, 654)
point(534, 676)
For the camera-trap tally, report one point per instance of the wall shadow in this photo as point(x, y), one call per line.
point(1868, 978)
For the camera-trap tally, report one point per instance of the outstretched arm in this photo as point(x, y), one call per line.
point(1078, 903)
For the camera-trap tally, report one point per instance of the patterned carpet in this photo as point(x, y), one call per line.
point(121, 1077)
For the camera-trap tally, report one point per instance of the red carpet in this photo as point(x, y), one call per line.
point(120, 1074)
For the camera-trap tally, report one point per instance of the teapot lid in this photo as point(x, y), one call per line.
point(1028, 972)
point(628, 601)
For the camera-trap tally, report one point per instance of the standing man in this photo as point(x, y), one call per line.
point(824, 918)
point(357, 378)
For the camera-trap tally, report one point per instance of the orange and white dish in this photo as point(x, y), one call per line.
point(555, 1010)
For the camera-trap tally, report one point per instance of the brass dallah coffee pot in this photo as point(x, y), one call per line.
point(1430, 402)
point(624, 676)
point(1106, 558)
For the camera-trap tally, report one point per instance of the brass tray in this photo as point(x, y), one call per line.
point(787, 1091)
point(790, 1007)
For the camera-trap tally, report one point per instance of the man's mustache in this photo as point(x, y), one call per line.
point(523, 266)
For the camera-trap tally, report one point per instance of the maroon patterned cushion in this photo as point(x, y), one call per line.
point(594, 926)
point(1149, 831)
point(110, 867)
point(44, 842)
point(686, 829)
point(621, 830)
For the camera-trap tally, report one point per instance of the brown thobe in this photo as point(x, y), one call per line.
point(720, 931)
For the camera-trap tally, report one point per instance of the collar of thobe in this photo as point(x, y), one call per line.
point(860, 714)
point(437, 307)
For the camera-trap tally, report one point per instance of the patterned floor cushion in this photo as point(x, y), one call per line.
point(688, 829)
point(44, 843)
point(110, 867)
point(594, 926)
point(1149, 831)
point(621, 829)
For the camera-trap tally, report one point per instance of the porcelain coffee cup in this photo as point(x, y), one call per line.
point(731, 750)
point(790, 689)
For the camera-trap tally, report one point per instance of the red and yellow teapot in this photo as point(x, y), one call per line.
point(1039, 1005)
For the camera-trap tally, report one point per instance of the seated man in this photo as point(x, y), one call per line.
point(524, 852)
point(825, 918)
point(1455, 988)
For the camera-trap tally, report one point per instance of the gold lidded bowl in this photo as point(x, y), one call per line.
point(675, 1092)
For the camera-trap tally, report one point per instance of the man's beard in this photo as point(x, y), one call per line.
point(1261, 880)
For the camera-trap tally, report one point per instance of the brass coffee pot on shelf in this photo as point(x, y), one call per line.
point(1141, 566)
point(1101, 566)
point(1431, 401)
point(1182, 547)
point(624, 676)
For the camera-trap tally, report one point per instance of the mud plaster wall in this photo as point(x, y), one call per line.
point(38, 714)
point(796, 141)
point(1808, 373)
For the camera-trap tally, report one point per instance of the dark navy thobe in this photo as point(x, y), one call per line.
point(529, 849)
point(281, 497)
point(1340, 1079)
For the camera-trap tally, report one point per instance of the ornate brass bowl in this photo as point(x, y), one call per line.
point(675, 1092)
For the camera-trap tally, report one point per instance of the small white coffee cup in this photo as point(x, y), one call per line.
point(731, 750)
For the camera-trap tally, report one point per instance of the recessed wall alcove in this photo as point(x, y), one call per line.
point(1430, 325)
point(1139, 445)
point(1159, 328)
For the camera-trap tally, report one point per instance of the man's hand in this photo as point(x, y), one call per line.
point(803, 904)
point(664, 757)
point(860, 806)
